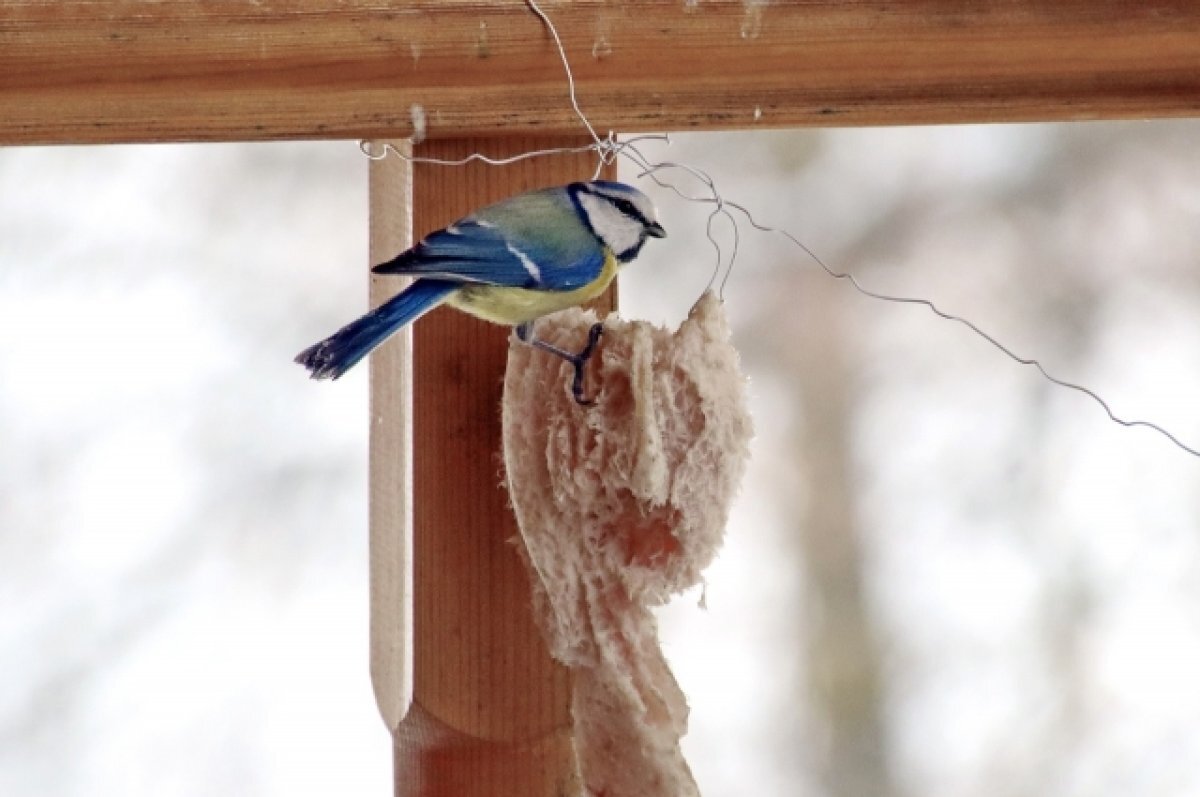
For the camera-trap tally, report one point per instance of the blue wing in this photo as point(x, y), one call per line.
point(533, 241)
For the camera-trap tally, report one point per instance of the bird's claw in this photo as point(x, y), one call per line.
point(580, 361)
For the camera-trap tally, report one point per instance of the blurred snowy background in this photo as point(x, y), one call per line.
point(945, 577)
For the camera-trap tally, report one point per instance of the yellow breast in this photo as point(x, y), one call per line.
point(514, 306)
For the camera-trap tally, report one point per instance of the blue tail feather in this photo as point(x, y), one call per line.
point(338, 353)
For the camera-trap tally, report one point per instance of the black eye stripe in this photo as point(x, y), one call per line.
point(625, 206)
point(629, 209)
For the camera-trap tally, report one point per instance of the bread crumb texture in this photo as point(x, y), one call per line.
point(621, 505)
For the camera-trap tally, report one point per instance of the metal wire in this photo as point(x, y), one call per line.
point(610, 148)
point(722, 206)
point(367, 148)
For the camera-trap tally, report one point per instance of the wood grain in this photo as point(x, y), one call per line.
point(490, 709)
point(97, 71)
point(391, 498)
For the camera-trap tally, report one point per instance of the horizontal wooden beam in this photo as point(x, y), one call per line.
point(99, 71)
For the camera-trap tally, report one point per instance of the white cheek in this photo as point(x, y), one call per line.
point(614, 228)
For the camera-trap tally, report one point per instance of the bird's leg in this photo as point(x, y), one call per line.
point(577, 361)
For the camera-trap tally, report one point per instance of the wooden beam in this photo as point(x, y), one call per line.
point(490, 710)
point(102, 71)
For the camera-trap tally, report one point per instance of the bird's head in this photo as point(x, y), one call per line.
point(621, 216)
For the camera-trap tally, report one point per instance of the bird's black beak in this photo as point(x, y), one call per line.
point(655, 230)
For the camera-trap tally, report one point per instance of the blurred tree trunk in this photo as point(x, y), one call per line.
point(843, 668)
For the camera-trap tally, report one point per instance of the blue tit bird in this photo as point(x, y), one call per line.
point(509, 263)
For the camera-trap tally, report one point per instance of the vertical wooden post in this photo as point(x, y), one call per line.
point(391, 451)
point(490, 710)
